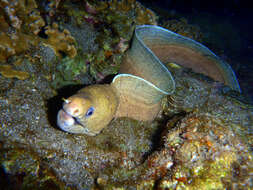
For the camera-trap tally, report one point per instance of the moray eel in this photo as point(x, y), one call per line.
point(142, 82)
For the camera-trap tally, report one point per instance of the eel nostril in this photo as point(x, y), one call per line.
point(76, 111)
point(65, 101)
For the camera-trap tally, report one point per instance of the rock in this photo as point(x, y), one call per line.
point(202, 141)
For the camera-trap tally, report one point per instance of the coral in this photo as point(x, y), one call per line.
point(182, 27)
point(60, 42)
point(208, 151)
point(23, 15)
point(20, 23)
point(8, 72)
point(35, 23)
point(26, 21)
point(15, 43)
point(10, 10)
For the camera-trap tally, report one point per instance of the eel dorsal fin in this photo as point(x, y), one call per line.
point(144, 80)
point(138, 98)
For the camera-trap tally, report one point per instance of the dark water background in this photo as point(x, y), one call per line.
point(227, 26)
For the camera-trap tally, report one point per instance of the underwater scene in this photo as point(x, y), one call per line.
point(126, 94)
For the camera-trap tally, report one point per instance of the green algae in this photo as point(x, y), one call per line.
point(71, 68)
point(68, 71)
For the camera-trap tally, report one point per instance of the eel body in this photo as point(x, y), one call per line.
point(142, 82)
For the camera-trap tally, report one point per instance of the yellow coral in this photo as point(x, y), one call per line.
point(35, 23)
point(25, 20)
point(15, 43)
point(23, 15)
point(10, 11)
point(8, 72)
point(60, 41)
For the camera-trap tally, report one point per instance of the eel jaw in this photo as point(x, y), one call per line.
point(71, 124)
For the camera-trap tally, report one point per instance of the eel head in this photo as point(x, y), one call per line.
point(74, 115)
point(88, 111)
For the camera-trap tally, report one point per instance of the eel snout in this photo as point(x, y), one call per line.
point(64, 120)
point(68, 118)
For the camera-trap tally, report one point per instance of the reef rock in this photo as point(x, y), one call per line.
point(203, 144)
point(202, 139)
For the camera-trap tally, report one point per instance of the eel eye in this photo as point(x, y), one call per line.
point(90, 112)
